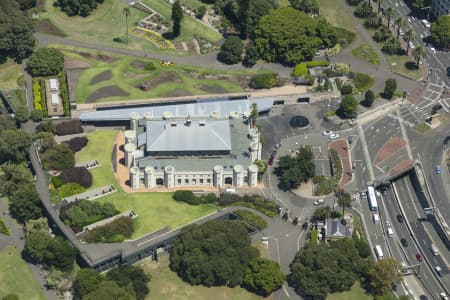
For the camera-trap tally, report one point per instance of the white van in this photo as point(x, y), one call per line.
point(434, 249)
point(376, 218)
point(390, 232)
point(230, 191)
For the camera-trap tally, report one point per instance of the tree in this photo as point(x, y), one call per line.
point(389, 13)
point(307, 6)
point(60, 157)
point(263, 276)
point(133, 277)
point(37, 245)
point(291, 171)
point(379, 5)
point(14, 145)
point(35, 225)
point(418, 54)
point(409, 36)
point(440, 32)
point(46, 127)
point(344, 199)
point(6, 122)
point(419, 4)
point(383, 274)
point(22, 115)
point(363, 10)
point(200, 12)
point(231, 51)
point(251, 55)
point(177, 16)
point(126, 13)
point(254, 114)
point(10, 297)
point(369, 97)
point(86, 281)
point(46, 62)
point(214, 253)
point(24, 203)
point(16, 32)
point(399, 23)
point(77, 7)
point(363, 248)
point(13, 177)
point(390, 85)
point(36, 115)
point(289, 36)
point(348, 107)
point(110, 290)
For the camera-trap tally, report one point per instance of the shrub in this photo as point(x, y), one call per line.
point(256, 202)
point(251, 219)
point(79, 175)
point(84, 212)
point(59, 157)
point(77, 143)
point(36, 115)
point(189, 197)
point(369, 97)
point(318, 63)
point(56, 181)
point(113, 232)
point(46, 62)
point(231, 51)
point(336, 165)
point(69, 127)
point(362, 81)
point(346, 89)
point(46, 127)
point(300, 70)
point(389, 88)
point(37, 95)
point(314, 235)
point(149, 66)
point(70, 189)
point(64, 92)
point(200, 12)
point(263, 81)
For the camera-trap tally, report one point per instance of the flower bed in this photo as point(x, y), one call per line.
point(40, 102)
point(153, 37)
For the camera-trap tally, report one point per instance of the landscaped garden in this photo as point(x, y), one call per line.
point(16, 277)
point(404, 65)
point(155, 210)
point(107, 22)
point(118, 77)
point(367, 53)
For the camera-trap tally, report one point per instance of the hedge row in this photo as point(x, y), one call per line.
point(64, 92)
point(113, 232)
point(256, 202)
point(252, 219)
point(84, 212)
point(70, 189)
point(189, 197)
point(77, 143)
point(69, 127)
point(40, 102)
point(336, 164)
point(79, 175)
point(263, 81)
point(318, 63)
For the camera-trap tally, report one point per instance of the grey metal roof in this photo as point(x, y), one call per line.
point(171, 136)
point(202, 108)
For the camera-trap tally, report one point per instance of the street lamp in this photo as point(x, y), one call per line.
point(428, 14)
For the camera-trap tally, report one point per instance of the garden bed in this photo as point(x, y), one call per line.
point(103, 76)
point(105, 92)
point(177, 93)
point(164, 77)
point(212, 89)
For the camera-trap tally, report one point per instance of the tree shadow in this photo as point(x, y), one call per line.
point(168, 35)
point(410, 65)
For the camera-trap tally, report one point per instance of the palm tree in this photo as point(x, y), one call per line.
point(389, 13)
point(409, 35)
point(344, 200)
point(379, 5)
point(418, 54)
point(126, 13)
point(399, 23)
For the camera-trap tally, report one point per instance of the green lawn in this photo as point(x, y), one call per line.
point(9, 73)
point(127, 77)
point(155, 210)
point(336, 12)
point(108, 22)
point(367, 53)
point(422, 127)
point(16, 277)
point(356, 293)
point(166, 284)
point(400, 64)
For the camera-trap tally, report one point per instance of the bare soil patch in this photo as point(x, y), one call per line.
point(134, 75)
point(107, 91)
point(162, 78)
point(212, 89)
point(137, 64)
point(72, 80)
point(100, 57)
point(177, 93)
point(241, 80)
point(46, 26)
point(103, 76)
point(343, 150)
point(389, 148)
point(75, 64)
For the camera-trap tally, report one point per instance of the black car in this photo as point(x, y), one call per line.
point(404, 242)
point(400, 218)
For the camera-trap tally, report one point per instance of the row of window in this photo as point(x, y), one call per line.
point(193, 181)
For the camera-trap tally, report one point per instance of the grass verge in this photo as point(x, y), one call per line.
point(344, 36)
point(166, 284)
point(336, 12)
point(367, 53)
point(356, 293)
point(16, 276)
point(422, 127)
point(9, 73)
point(403, 65)
point(4, 228)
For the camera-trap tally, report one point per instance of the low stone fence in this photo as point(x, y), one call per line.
point(90, 164)
point(92, 194)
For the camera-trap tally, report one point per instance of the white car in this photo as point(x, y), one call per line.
point(443, 296)
point(334, 136)
point(411, 45)
point(327, 132)
point(426, 23)
point(319, 202)
point(431, 46)
point(401, 32)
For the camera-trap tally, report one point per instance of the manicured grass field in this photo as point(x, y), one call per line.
point(367, 53)
point(127, 78)
point(108, 22)
point(336, 12)
point(356, 293)
point(16, 277)
point(9, 73)
point(399, 64)
point(155, 210)
point(167, 285)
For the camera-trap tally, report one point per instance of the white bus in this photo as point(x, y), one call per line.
point(373, 205)
point(379, 252)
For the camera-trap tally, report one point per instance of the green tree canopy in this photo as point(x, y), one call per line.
point(10, 297)
point(231, 51)
point(86, 281)
point(440, 32)
point(24, 203)
point(369, 97)
point(212, 254)
point(110, 290)
point(59, 157)
point(6, 122)
point(289, 36)
point(344, 199)
point(263, 276)
point(77, 7)
point(382, 274)
point(133, 277)
point(177, 16)
point(390, 85)
point(22, 114)
point(14, 145)
point(251, 56)
point(348, 107)
point(46, 62)
point(13, 177)
point(294, 170)
point(36, 115)
point(307, 6)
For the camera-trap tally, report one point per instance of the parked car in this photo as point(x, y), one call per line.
point(411, 45)
point(400, 218)
point(277, 146)
point(363, 195)
point(319, 202)
point(438, 170)
point(443, 296)
point(432, 48)
point(426, 23)
point(404, 242)
point(334, 136)
point(327, 132)
point(419, 257)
